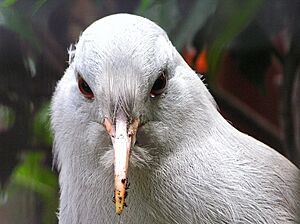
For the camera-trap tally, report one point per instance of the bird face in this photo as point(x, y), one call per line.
point(125, 91)
point(122, 89)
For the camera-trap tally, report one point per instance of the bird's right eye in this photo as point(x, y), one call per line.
point(85, 89)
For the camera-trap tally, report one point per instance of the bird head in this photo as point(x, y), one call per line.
point(127, 99)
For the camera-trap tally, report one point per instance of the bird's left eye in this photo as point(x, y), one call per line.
point(85, 89)
point(159, 85)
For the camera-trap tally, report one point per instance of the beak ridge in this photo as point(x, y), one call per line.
point(123, 138)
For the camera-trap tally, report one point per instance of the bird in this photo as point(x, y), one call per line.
point(138, 138)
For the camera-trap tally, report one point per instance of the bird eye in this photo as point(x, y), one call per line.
point(85, 89)
point(159, 85)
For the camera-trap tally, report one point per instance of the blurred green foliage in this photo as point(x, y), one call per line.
point(37, 5)
point(165, 13)
point(7, 3)
point(226, 20)
point(180, 28)
point(237, 16)
point(41, 126)
point(7, 117)
point(33, 175)
point(16, 22)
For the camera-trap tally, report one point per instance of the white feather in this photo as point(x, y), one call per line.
point(189, 166)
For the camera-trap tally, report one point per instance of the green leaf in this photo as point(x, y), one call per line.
point(166, 14)
point(144, 5)
point(14, 21)
point(7, 3)
point(37, 5)
point(163, 12)
point(197, 18)
point(33, 175)
point(41, 126)
point(240, 13)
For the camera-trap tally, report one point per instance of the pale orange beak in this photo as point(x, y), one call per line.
point(123, 138)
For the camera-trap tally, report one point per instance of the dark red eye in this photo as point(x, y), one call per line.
point(85, 89)
point(159, 85)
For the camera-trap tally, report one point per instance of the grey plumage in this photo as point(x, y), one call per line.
point(188, 165)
